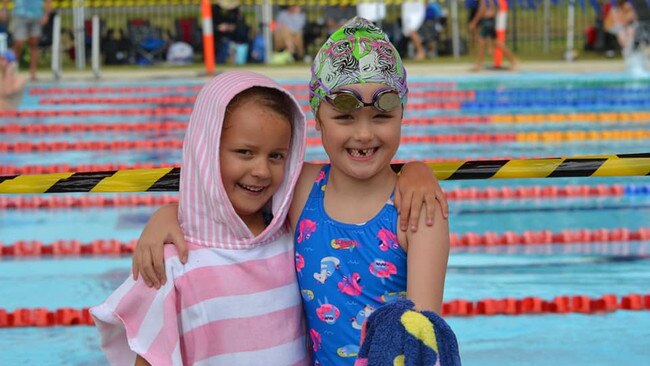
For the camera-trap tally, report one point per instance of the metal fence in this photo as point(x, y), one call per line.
point(536, 28)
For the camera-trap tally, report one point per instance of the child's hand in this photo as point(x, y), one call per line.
point(417, 185)
point(148, 258)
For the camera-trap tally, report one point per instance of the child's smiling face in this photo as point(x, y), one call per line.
point(361, 143)
point(255, 143)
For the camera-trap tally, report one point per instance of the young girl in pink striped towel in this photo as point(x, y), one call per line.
point(235, 301)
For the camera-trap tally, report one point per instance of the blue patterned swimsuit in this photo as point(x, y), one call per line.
point(345, 271)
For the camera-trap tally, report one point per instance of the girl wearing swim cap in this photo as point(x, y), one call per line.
point(350, 256)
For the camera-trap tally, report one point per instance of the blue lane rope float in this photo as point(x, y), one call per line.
point(167, 179)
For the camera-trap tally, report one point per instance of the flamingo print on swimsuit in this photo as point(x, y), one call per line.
point(350, 285)
point(306, 228)
point(387, 240)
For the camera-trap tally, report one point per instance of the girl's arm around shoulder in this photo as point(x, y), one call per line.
point(308, 175)
point(427, 254)
point(162, 227)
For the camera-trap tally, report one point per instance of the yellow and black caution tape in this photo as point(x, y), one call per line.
point(166, 179)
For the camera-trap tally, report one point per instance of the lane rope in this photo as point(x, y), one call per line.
point(471, 138)
point(23, 202)
point(510, 306)
point(74, 247)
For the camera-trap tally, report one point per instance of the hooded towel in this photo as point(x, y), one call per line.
point(236, 300)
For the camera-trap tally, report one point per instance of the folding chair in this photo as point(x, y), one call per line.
point(188, 31)
point(146, 40)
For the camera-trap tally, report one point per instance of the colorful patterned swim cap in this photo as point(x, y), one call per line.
point(356, 53)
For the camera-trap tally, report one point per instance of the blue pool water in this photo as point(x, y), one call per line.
point(620, 268)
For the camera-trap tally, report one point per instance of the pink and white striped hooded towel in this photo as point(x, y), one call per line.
point(236, 301)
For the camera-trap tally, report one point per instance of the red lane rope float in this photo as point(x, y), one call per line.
point(75, 247)
point(51, 146)
point(27, 146)
point(66, 168)
point(99, 112)
point(532, 305)
point(531, 237)
point(68, 201)
point(454, 105)
point(114, 90)
point(535, 192)
point(120, 100)
point(181, 88)
point(446, 95)
point(16, 128)
point(536, 305)
point(42, 317)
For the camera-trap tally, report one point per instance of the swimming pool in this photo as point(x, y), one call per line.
point(482, 117)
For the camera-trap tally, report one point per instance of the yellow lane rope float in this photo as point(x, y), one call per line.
point(166, 179)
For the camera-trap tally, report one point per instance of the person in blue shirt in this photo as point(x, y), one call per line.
point(28, 19)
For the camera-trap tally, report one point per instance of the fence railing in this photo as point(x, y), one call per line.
point(535, 28)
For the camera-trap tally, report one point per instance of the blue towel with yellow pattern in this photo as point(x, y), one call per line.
point(397, 335)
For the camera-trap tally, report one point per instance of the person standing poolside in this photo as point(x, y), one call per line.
point(622, 21)
point(485, 21)
point(28, 19)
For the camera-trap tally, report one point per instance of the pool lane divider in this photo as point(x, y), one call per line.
point(158, 111)
point(530, 136)
point(167, 179)
point(509, 306)
point(193, 88)
point(103, 247)
point(22, 202)
point(470, 138)
point(640, 117)
point(445, 95)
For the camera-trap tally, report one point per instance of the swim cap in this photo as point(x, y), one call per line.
point(358, 52)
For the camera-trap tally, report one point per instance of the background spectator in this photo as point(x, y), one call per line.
point(413, 13)
point(621, 21)
point(485, 21)
point(28, 19)
point(373, 11)
point(229, 27)
point(288, 34)
point(337, 15)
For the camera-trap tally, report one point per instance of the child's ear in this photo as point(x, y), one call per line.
point(317, 123)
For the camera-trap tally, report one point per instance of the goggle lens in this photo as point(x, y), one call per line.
point(348, 101)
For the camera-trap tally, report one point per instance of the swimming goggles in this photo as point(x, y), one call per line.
point(349, 100)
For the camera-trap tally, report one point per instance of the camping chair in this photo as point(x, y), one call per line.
point(188, 31)
point(146, 40)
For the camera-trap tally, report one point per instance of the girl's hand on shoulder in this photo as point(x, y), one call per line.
point(418, 186)
point(148, 258)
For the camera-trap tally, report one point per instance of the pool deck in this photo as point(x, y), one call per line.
point(302, 70)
